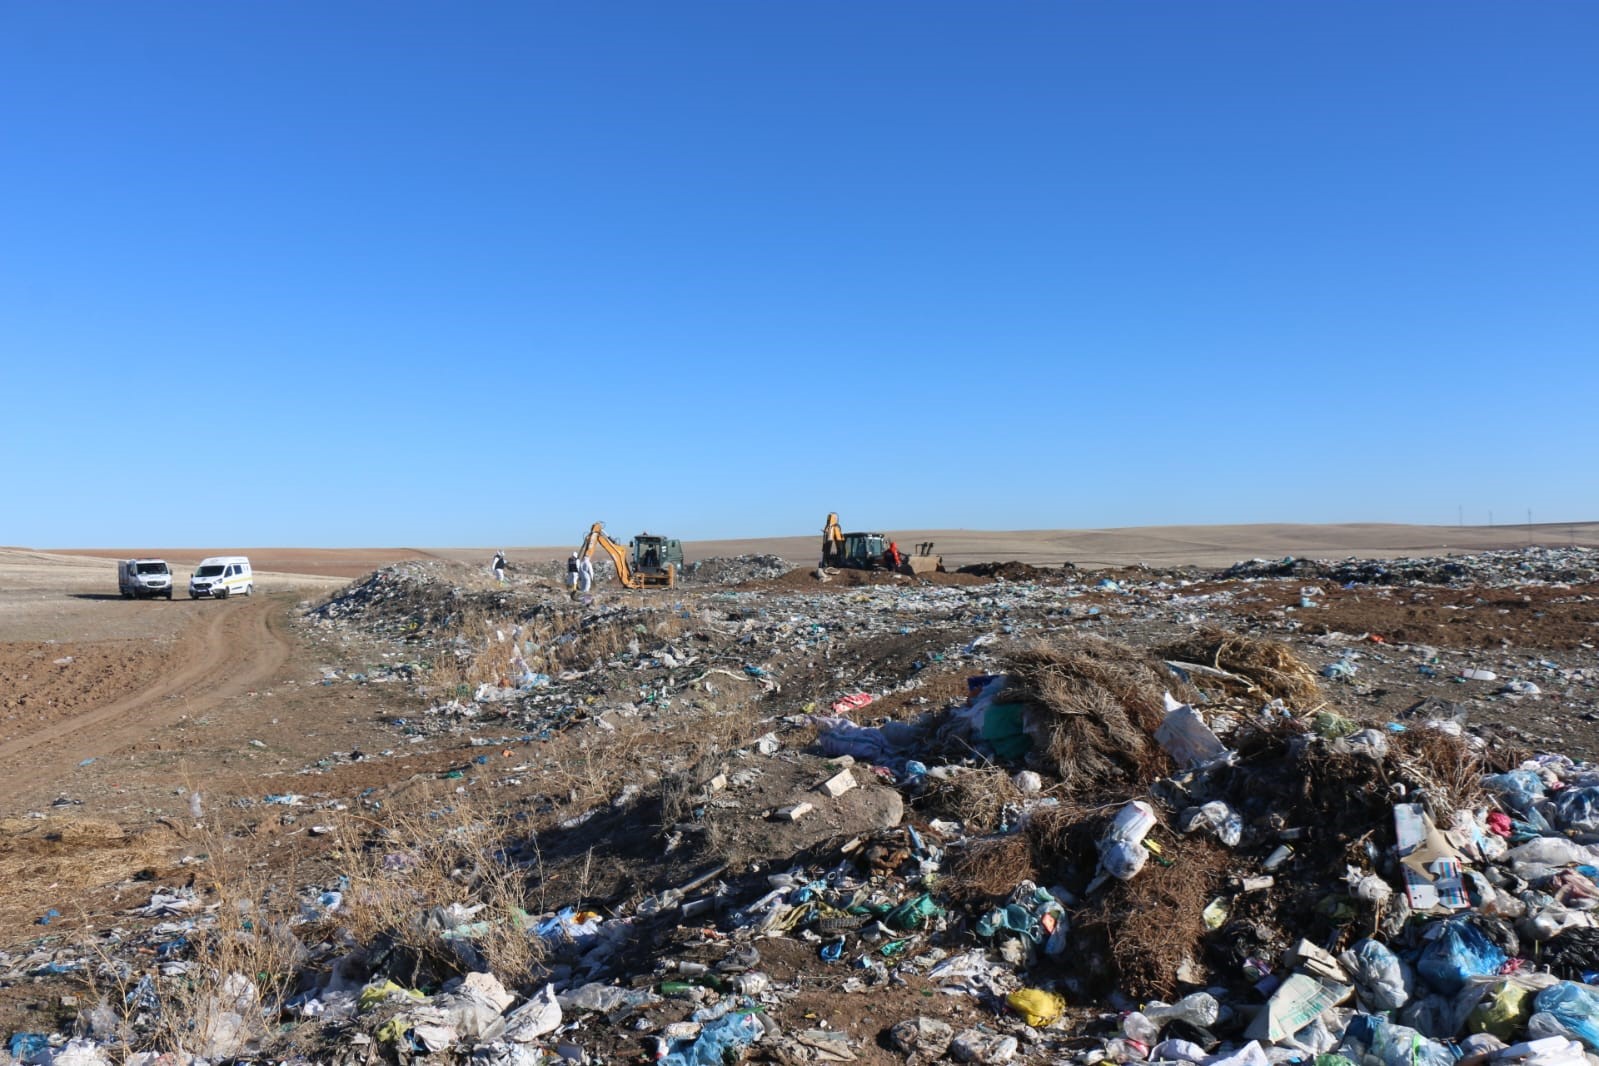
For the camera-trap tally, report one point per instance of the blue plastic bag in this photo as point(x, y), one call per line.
point(1459, 953)
point(1381, 980)
point(715, 1040)
point(1520, 792)
point(1371, 1040)
point(24, 1046)
point(1575, 1007)
point(1577, 811)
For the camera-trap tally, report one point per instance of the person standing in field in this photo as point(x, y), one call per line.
point(574, 569)
point(498, 565)
point(585, 575)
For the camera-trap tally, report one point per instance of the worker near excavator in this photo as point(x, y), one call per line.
point(585, 575)
point(574, 570)
point(892, 558)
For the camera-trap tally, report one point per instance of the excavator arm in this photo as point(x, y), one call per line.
point(597, 539)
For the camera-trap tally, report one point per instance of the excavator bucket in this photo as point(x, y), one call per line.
point(924, 564)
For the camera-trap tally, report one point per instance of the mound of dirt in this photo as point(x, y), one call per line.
point(1018, 571)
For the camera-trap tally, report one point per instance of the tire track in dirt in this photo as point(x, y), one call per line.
point(240, 646)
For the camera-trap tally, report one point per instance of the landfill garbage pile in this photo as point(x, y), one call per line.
point(893, 824)
point(1491, 569)
point(402, 599)
point(734, 569)
point(1017, 571)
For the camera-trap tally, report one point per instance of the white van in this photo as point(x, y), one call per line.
point(138, 578)
point(222, 576)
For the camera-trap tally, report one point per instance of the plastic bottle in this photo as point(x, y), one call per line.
point(1139, 1028)
point(1199, 1009)
point(1121, 1049)
point(752, 983)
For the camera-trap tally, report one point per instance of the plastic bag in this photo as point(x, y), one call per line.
point(1549, 922)
point(727, 1033)
point(1573, 953)
point(1440, 1017)
point(535, 1018)
point(1218, 818)
point(1121, 850)
point(1178, 1051)
point(1381, 981)
point(1123, 861)
point(1036, 1006)
point(1552, 851)
point(1503, 1011)
point(1458, 953)
point(1577, 812)
point(1367, 742)
point(1520, 791)
point(1575, 1007)
point(1371, 1040)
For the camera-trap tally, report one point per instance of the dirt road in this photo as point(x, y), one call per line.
point(231, 647)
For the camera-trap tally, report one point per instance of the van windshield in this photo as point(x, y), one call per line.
point(152, 568)
point(209, 571)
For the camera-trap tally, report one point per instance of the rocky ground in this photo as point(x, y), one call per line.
point(772, 810)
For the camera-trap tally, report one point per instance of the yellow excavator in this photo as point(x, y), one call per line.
point(870, 551)
point(648, 561)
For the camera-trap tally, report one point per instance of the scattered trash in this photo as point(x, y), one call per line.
point(1109, 823)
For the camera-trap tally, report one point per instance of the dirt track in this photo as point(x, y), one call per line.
point(240, 644)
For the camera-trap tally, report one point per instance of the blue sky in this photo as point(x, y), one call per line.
point(438, 274)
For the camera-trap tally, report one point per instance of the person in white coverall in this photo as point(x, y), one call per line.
point(585, 574)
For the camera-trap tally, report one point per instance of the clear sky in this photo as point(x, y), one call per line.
point(396, 273)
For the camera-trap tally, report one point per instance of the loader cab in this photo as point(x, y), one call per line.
point(864, 549)
point(653, 554)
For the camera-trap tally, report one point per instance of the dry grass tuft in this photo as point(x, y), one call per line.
point(241, 966)
point(418, 874)
point(992, 866)
point(1445, 765)
point(1270, 666)
point(1148, 926)
point(1104, 701)
point(976, 797)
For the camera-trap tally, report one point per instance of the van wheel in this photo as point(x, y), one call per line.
point(169, 595)
point(249, 590)
point(194, 595)
point(220, 594)
point(127, 595)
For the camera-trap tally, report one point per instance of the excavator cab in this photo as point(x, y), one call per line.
point(864, 550)
point(648, 561)
point(655, 555)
